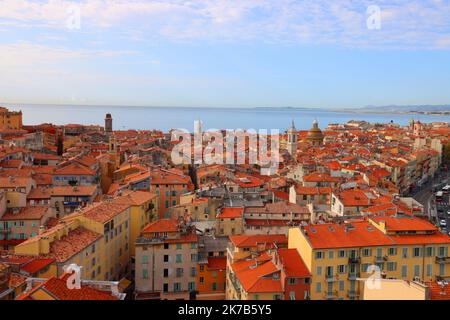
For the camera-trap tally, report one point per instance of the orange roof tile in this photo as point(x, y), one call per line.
point(231, 213)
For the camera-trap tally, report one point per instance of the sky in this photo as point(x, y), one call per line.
point(225, 53)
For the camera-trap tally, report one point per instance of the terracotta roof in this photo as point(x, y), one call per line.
point(37, 264)
point(74, 191)
point(74, 169)
point(292, 263)
point(252, 278)
point(439, 291)
point(104, 211)
point(253, 240)
point(58, 289)
point(163, 225)
point(320, 177)
point(404, 223)
point(27, 213)
point(76, 241)
point(136, 198)
point(231, 213)
point(217, 263)
point(6, 182)
point(356, 234)
point(16, 280)
point(312, 190)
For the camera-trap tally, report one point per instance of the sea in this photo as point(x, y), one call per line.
point(166, 118)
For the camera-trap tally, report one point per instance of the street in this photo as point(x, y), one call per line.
point(426, 196)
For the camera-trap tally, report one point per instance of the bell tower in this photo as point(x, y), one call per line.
point(292, 140)
point(108, 124)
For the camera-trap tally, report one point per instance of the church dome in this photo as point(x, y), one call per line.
point(315, 134)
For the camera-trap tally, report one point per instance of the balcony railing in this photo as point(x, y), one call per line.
point(354, 260)
point(329, 295)
point(381, 259)
point(330, 278)
point(352, 294)
point(442, 259)
point(353, 275)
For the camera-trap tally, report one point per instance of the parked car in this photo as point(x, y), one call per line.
point(443, 223)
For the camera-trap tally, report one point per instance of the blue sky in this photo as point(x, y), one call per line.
point(225, 53)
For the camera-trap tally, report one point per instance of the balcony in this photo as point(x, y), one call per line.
point(442, 260)
point(352, 294)
point(353, 276)
point(330, 278)
point(330, 295)
point(354, 260)
point(5, 231)
point(381, 259)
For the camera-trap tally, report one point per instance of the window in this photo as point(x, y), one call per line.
point(214, 274)
point(319, 255)
point(341, 285)
point(341, 254)
point(318, 287)
point(194, 257)
point(416, 252)
point(202, 280)
point(404, 271)
point(292, 281)
point(202, 268)
point(176, 287)
point(364, 267)
point(341, 268)
point(391, 266)
point(166, 246)
point(367, 252)
point(416, 270)
point(166, 273)
point(392, 251)
point(214, 286)
point(144, 274)
point(429, 251)
point(191, 286)
point(166, 258)
point(166, 287)
point(429, 270)
point(292, 295)
point(178, 259)
point(144, 259)
point(379, 252)
point(180, 272)
point(405, 253)
point(442, 252)
point(330, 254)
point(319, 271)
point(193, 245)
point(178, 246)
point(330, 271)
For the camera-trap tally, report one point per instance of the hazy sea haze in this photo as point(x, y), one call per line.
point(166, 118)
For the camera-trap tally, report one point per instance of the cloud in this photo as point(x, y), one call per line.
point(405, 23)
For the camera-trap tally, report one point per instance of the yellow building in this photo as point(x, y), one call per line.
point(230, 221)
point(143, 210)
point(10, 119)
point(98, 238)
point(397, 247)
